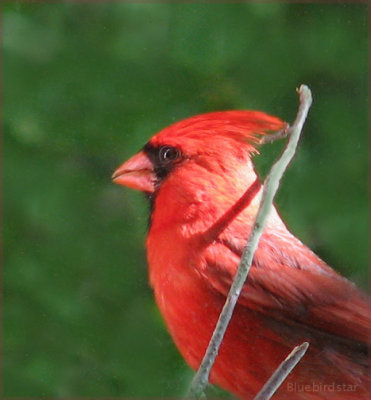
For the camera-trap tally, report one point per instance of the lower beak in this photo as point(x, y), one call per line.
point(136, 173)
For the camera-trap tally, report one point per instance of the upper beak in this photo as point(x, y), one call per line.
point(136, 173)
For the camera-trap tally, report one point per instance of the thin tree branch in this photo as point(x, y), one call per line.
point(271, 184)
point(280, 374)
point(283, 133)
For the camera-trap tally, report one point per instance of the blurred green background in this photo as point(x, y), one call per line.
point(85, 85)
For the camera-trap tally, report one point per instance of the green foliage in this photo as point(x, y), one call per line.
point(85, 85)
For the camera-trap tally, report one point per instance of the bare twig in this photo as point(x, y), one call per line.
point(271, 184)
point(275, 136)
point(280, 374)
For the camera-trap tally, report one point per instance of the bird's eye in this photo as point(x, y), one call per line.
point(168, 154)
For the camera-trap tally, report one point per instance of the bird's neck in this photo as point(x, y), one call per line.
point(198, 198)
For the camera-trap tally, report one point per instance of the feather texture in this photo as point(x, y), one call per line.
point(203, 209)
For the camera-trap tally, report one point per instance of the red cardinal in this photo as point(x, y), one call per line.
point(194, 172)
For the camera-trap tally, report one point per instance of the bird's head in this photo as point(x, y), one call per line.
point(216, 142)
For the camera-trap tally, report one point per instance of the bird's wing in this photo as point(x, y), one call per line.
point(289, 282)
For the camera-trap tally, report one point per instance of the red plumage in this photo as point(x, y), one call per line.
point(194, 172)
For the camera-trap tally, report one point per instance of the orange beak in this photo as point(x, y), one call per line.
point(136, 173)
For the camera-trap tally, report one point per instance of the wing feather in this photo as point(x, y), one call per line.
point(290, 283)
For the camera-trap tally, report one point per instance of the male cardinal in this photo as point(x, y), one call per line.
point(194, 172)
